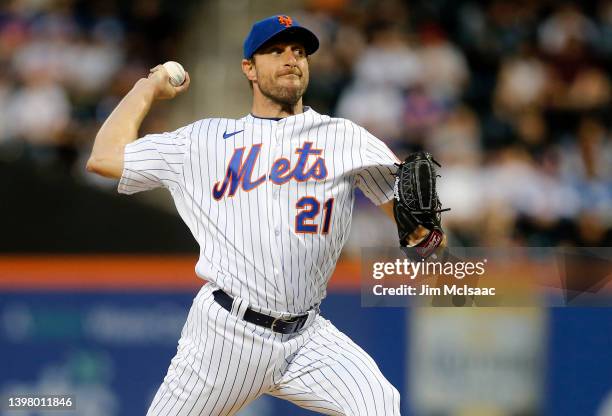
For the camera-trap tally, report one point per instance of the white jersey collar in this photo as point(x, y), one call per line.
point(306, 114)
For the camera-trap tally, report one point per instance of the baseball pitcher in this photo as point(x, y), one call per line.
point(269, 199)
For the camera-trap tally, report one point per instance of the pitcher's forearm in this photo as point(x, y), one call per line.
point(119, 129)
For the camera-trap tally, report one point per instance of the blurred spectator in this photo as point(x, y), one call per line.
point(387, 67)
point(532, 132)
point(588, 89)
point(445, 70)
point(521, 82)
point(40, 110)
point(494, 29)
point(339, 46)
point(457, 139)
point(594, 149)
point(567, 31)
point(422, 112)
point(90, 64)
point(5, 99)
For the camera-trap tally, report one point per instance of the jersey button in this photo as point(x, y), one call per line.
point(275, 194)
point(276, 232)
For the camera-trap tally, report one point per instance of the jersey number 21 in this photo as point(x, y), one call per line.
point(308, 209)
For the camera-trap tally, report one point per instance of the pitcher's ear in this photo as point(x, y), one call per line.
point(248, 68)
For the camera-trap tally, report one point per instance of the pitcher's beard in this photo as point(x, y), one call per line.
point(283, 95)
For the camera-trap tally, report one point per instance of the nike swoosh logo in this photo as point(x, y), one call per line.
point(227, 135)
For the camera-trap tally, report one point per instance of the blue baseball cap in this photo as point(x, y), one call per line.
point(273, 26)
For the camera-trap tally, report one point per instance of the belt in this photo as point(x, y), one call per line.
point(282, 326)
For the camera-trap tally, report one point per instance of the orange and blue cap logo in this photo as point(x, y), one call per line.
point(285, 21)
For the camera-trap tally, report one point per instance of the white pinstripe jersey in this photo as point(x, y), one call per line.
point(269, 201)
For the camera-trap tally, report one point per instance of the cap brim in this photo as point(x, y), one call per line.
point(308, 39)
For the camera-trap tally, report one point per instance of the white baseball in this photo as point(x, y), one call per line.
point(176, 72)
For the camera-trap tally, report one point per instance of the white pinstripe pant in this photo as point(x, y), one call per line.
point(223, 363)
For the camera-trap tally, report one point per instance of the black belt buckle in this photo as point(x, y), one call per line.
point(273, 326)
point(291, 325)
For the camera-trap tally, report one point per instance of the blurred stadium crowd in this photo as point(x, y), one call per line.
point(64, 65)
point(512, 97)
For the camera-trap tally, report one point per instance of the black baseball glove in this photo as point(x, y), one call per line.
point(416, 203)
